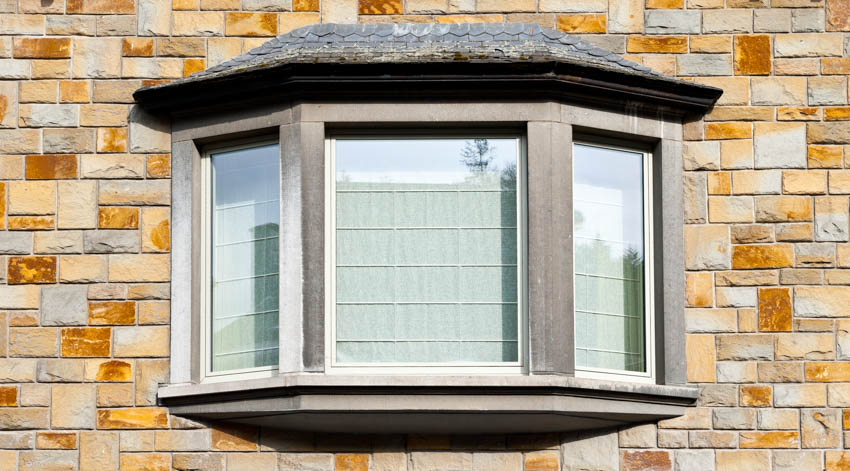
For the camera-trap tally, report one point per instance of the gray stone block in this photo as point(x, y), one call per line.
point(15, 243)
point(112, 241)
point(808, 20)
point(695, 460)
point(673, 22)
point(56, 370)
point(704, 64)
point(64, 305)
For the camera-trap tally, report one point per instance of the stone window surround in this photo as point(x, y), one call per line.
point(549, 127)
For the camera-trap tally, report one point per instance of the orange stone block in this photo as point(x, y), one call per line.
point(784, 113)
point(135, 418)
point(250, 24)
point(117, 7)
point(728, 130)
point(752, 54)
point(756, 396)
point(159, 165)
point(31, 223)
point(191, 66)
point(542, 461)
point(669, 4)
point(674, 44)
point(836, 113)
point(380, 7)
point(775, 310)
point(24, 270)
point(719, 183)
point(837, 461)
point(42, 48)
point(645, 460)
point(137, 47)
point(835, 66)
point(112, 139)
point(582, 23)
point(828, 372)
point(8, 396)
point(770, 439)
point(821, 156)
point(762, 256)
point(845, 418)
point(56, 441)
point(234, 437)
point(2, 204)
point(145, 461)
point(114, 370)
point(151, 82)
point(352, 462)
point(73, 91)
point(112, 312)
point(78, 342)
point(116, 217)
point(838, 15)
point(305, 5)
point(51, 166)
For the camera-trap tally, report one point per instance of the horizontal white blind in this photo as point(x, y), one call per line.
point(245, 218)
point(426, 251)
point(609, 259)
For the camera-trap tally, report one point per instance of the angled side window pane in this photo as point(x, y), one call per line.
point(425, 256)
point(244, 258)
point(610, 246)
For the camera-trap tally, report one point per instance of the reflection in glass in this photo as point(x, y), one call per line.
point(609, 258)
point(426, 250)
point(244, 244)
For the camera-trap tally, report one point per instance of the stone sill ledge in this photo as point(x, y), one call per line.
point(428, 404)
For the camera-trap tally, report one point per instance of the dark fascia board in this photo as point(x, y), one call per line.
point(446, 405)
point(465, 80)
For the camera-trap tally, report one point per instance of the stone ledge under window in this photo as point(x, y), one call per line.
point(428, 404)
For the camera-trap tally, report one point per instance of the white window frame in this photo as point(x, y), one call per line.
point(520, 367)
point(207, 375)
point(648, 376)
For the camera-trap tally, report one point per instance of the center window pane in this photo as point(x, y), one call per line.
point(426, 250)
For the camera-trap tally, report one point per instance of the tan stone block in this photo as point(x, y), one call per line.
point(794, 232)
point(112, 313)
point(149, 291)
point(837, 277)
point(114, 395)
point(82, 269)
point(707, 247)
point(625, 16)
point(752, 54)
point(98, 451)
point(804, 182)
point(783, 91)
point(11, 168)
point(139, 268)
point(145, 462)
point(821, 428)
point(250, 24)
point(800, 346)
point(783, 208)
point(737, 154)
point(32, 197)
point(86, 342)
point(112, 140)
point(755, 182)
point(730, 209)
point(762, 256)
point(77, 205)
point(96, 57)
point(808, 45)
point(290, 21)
point(831, 218)
point(822, 301)
point(149, 375)
point(700, 353)
point(701, 155)
point(770, 440)
point(786, 113)
point(747, 320)
point(192, 23)
point(51, 69)
point(714, 44)
point(582, 23)
point(116, 7)
point(132, 418)
point(654, 44)
point(41, 91)
point(35, 395)
point(104, 114)
point(710, 320)
point(154, 312)
point(149, 67)
point(32, 342)
point(135, 192)
point(699, 289)
point(751, 234)
point(148, 341)
point(77, 406)
point(156, 233)
point(55, 441)
point(694, 418)
point(115, 91)
point(107, 166)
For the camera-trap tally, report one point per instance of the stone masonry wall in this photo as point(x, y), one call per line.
point(84, 237)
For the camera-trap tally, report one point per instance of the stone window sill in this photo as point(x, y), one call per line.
point(428, 404)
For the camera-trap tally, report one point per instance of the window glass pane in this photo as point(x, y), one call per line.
point(426, 250)
point(609, 258)
point(244, 242)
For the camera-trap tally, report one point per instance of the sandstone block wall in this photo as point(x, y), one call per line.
point(84, 237)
